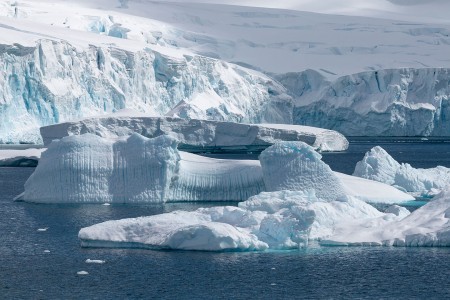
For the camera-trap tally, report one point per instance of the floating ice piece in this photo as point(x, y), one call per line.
point(276, 220)
point(20, 158)
point(95, 261)
point(378, 165)
point(82, 273)
point(428, 226)
point(46, 251)
point(42, 229)
point(200, 135)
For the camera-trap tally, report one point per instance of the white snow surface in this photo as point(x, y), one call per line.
point(378, 165)
point(277, 220)
point(198, 135)
point(428, 226)
point(19, 157)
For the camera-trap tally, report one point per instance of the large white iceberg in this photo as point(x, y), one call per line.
point(90, 169)
point(428, 226)
point(198, 135)
point(378, 165)
point(277, 220)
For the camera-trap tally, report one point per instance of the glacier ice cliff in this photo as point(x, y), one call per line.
point(198, 135)
point(56, 81)
point(389, 102)
point(378, 165)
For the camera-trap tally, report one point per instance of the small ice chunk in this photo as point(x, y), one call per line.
point(42, 229)
point(82, 273)
point(94, 261)
point(46, 251)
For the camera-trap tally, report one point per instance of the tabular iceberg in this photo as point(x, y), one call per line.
point(199, 135)
point(378, 165)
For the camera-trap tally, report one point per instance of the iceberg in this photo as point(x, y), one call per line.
point(378, 165)
point(296, 166)
point(20, 157)
point(198, 135)
point(428, 226)
point(90, 169)
point(278, 220)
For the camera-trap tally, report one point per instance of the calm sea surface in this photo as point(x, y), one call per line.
point(44, 264)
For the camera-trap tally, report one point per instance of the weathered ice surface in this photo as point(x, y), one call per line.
point(200, 135)
point(296, 166)
point(378, 165)
point(428, 226)
point(91, 169)
point(207, 179)
point(278, 220)
point(389, 102)
point(54, 81)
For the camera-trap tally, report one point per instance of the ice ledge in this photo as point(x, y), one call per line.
point(200, 135)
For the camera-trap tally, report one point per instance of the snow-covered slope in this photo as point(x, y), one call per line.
point(65, 60)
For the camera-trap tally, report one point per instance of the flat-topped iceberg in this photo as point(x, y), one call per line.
point(199, 135)
point(378, 165)
point(428, 226)
point(277, 220)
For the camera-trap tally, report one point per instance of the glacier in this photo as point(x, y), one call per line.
point(356, 75)
point(55, 81)
point(378, 165)
point(197, 135)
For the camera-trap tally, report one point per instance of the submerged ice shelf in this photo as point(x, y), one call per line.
point(199, 135)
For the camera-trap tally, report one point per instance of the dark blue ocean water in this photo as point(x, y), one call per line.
point(27, 272)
